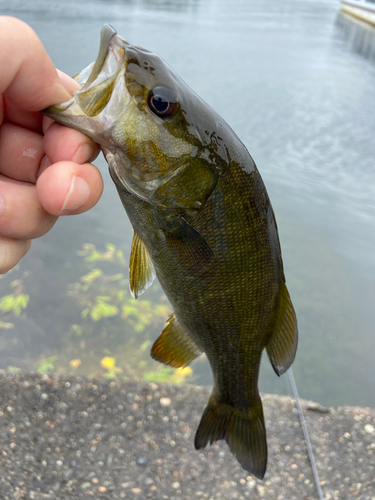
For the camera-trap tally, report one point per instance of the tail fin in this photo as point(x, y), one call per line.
point(242, 428)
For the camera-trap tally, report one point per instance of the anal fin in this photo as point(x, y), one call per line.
point(174, 347)
point(282, 346)
point(141, 269)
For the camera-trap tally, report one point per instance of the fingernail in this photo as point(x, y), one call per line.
point(83, 154)
point(77, 195)
point(2, 204)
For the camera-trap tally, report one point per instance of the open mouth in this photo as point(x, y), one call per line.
point(106, 35)
point(99, 78)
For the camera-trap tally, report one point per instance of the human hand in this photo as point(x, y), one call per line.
point(44, 167)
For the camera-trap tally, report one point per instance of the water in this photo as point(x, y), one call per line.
point(295, 80)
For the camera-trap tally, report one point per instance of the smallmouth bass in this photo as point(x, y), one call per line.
point(203, 224)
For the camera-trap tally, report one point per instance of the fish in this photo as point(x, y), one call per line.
point(203, 225)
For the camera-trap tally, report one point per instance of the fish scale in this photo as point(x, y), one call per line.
point(203, 224)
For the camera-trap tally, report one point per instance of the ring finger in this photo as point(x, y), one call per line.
point(11, 252)
point(21, 214)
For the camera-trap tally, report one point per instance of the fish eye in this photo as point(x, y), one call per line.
point(162, 101)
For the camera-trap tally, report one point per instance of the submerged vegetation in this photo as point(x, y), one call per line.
point(14, 302)
point(112, 333)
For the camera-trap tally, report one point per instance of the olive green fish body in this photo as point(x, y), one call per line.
point(227, 308)
point(203, 224)
point(228, 303)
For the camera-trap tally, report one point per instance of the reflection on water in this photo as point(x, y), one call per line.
point(359, 35)
point(285, 77)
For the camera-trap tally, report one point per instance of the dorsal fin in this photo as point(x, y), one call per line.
point(282, 346)
point(174, 346)
point(141, 269)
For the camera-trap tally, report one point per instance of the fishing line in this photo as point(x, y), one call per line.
point(305, 432)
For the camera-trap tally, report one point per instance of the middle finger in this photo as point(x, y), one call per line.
point(21, 151)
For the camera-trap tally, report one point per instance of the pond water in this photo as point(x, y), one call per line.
point(295, 80)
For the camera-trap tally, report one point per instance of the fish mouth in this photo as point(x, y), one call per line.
point(106, 34)
point(97, 80)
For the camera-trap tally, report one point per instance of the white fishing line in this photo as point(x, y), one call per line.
point(305, 432)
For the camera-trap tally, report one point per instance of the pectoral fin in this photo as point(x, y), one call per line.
point(141, 272)
point(174, 347)
point(282, 347)
point(192, 249)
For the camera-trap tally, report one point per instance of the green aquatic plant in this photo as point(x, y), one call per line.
point(13, 369)
point(140, 313)
point(89, 278)
point(14, 303)
point(77, 329)
point(106, 320)
point(110, 320)
point(100, 309)
point(169, 375)
point(91, 254)
point(104, 295)
point(47, 364)
point(158, 376)
point(145, 345)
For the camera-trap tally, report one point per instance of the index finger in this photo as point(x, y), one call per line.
point(31, 119)
point(28, 77)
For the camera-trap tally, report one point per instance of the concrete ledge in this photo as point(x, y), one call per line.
point(73, 438)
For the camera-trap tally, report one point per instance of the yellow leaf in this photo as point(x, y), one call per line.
point(108, 363)
point(6, 326)
point(181, 373)
point(74, 363)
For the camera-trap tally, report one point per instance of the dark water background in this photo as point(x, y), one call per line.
point(296, 81)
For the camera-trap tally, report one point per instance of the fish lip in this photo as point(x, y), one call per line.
point(58, 108)
point(106, 34)
point(81, 112)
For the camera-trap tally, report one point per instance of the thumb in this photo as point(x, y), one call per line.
point(28, 77)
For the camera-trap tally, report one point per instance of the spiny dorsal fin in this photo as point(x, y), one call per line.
point(141, 269)
point(174, 347)
point(242, 428)
point(282, 347)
